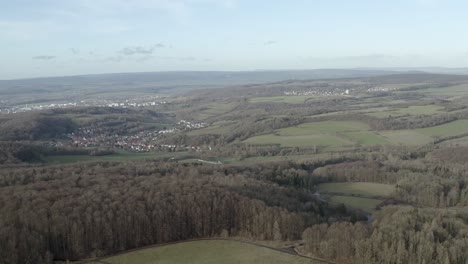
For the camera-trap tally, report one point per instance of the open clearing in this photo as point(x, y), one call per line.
point(446, 130)
point(330, 134)
point(214, 109)
point(207, 252)
point(366, 204)
point(405, 137)
point(357, 188)
point(455, 90)
point(281, 99)
point(411, 110)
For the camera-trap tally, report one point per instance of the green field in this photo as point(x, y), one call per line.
point(281, 99)
point(367, 189)
point(366, 204)
point(463, 141)
point(120, 156)
point(456, 90)
point(330, 134)
point(405, 137)
point(300, 141)
point(446, 130)
point(411, 110)
point(207, 252)
point(214, 109)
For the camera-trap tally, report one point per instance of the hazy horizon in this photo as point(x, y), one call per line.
point(48, 38)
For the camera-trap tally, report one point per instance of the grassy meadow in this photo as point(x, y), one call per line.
point(207, 252)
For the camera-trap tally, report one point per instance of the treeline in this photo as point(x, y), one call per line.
point(85, 210)
point(398, 235)
point(15, 152)
point(35, 126)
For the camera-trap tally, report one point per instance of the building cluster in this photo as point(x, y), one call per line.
point(318, 92)
point(381, 89)
point(143, 141)
point(140, 142)
point(191, 125)
point(128, 103)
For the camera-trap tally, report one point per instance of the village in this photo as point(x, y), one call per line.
point(337, 91)
point(144, 141)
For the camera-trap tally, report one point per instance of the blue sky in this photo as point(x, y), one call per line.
point(70, 37)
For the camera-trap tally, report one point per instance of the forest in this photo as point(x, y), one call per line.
point(378, 176)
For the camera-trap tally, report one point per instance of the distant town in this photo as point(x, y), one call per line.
point(128, 103)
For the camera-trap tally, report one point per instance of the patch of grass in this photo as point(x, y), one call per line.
point(455, 90)
point(405, 137)
point(366, 204)
point(411, 110)
point(446, 130)
point(330, 134)
point(299, 141)
point(367, 189)
point(324, 127)
point(463, 141)
point(366, 138)
point(281, 99)
point(214, 109)
point(207, 252)
point(218, 128)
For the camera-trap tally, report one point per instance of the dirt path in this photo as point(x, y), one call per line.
point(287, 250)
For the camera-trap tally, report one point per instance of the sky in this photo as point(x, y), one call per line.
point(71, 37)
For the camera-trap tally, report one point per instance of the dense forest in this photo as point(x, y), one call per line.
point(63, 198)
point(93, 209)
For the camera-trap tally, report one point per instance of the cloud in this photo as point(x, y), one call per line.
point(43, 57)
point(113, 59)
point(135, 50)
point(75, 51)
point(270, 42)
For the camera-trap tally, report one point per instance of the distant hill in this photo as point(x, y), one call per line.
point(124, 85)
point(403, 80)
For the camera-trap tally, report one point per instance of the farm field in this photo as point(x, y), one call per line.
point(456, 90)
point(463, 141)
point(214, 109)
point(446, 130)
point(330, 134)
point(281, 99)
point(367, 189)
point(366, 204)
point(411, 110)
point(405, 137)
point(207, 252)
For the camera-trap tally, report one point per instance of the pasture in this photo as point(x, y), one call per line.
point(446, 130)
point(281, 99)
point(367, 189)
point(403, 111)
point(405, 137)
point(207, 252)
point(214, 109)
point(456, 90)
point(329, 134)
point(366, 204)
